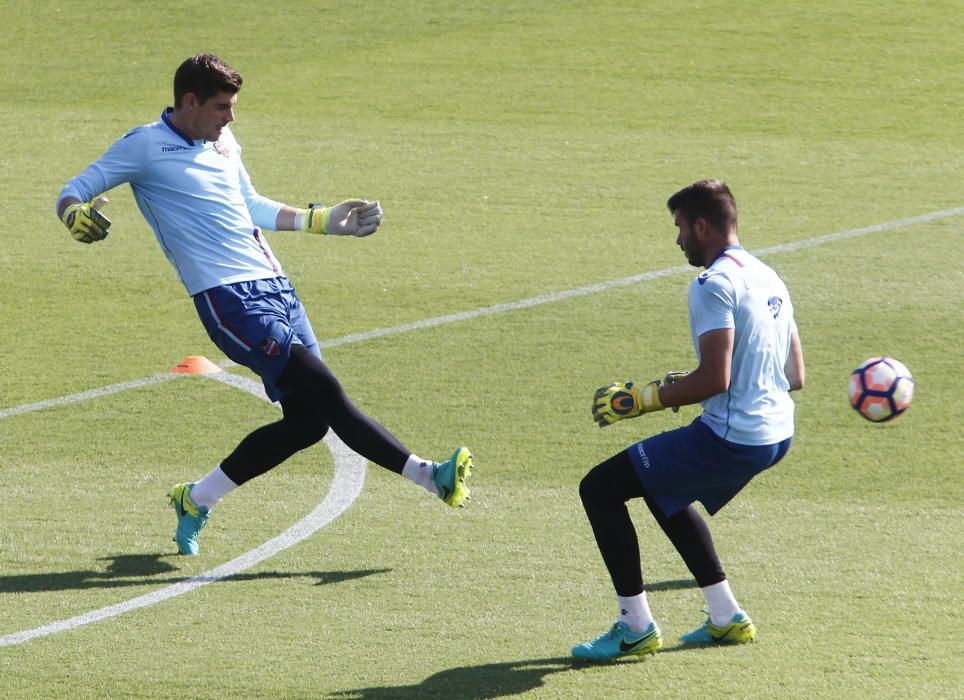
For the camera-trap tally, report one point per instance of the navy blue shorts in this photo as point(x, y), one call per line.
point(255, 324)
point(694, 464)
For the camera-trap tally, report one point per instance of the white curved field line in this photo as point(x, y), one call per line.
point(350, 467)
point(345, 487)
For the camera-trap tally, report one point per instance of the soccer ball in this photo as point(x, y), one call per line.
point(881, 388)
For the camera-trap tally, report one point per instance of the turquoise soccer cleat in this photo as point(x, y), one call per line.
point(191, 518)
point(738, 630)
point(450, 477)
point(618, 642)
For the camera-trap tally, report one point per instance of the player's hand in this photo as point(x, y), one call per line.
point(672, 378)
point(353, 217)
point(85, 222)
point(621, 400)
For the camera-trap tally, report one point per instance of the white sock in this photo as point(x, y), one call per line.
point(634, 612)
point(720, 601)
point(420, 471)
point(212, 488)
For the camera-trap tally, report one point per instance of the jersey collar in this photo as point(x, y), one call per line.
point(723, 254)
point(166, 118)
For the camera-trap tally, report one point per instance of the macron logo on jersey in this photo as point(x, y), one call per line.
point(173, 147)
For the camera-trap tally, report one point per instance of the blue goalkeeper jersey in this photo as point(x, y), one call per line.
point(738, 291)
point(198, 198)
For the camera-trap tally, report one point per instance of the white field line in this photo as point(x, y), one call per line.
point(84, 395)
point(345, 488)
point(512, 306)
point(350, 467)
point(634, 279)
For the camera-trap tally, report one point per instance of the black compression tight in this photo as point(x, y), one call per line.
point(316, 402)
point(604, 492)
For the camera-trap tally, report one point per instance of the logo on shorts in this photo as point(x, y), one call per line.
point(642, 455)
point(271, 347)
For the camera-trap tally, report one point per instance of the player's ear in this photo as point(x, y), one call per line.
point(705, 231)
point(701, 227)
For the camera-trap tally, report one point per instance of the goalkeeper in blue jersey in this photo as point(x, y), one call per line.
point(189, 182)
point(749, 359)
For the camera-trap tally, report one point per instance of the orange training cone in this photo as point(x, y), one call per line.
point(196, 364)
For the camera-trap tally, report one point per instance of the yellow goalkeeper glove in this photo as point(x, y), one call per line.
point(85, 222)
point(353, 217)
point(624, 400)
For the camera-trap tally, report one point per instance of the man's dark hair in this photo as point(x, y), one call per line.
point(707, 199)
point(205, 75)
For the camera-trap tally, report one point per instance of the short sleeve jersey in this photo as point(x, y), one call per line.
point(738, 291)
point(198, 198)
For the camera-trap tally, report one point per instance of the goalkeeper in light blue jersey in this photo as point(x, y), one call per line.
point(749, 359)
point(189, 182)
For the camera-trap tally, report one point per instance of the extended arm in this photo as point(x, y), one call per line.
point(353, 217)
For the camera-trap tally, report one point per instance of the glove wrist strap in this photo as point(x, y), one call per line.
point(650, 396)
point(70, 210)
point(313, 220)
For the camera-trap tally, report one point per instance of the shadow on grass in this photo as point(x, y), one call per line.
point(149, 569)
point(470, 682)
point(490, 681)
point(677, 585)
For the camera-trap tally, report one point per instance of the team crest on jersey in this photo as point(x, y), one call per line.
point(271, 347)
point(222, 149)
point(775, 304)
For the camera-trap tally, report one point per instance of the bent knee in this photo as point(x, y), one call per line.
point(590, 489)
point(306, 432)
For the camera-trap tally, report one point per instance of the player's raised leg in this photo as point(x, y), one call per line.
point(314, 383)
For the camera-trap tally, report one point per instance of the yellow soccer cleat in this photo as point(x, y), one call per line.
point(738, 630)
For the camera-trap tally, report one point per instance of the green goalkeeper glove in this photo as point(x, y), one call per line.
point(624, 400)
point(353, 217)
point(85, 222)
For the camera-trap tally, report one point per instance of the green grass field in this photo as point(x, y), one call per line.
point(519, 150)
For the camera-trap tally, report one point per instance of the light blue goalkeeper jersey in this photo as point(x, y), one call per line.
point(738, 291)
point(197, 197)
